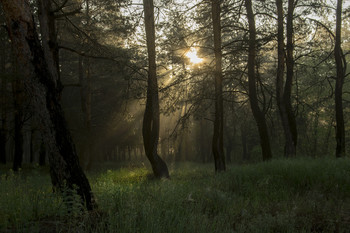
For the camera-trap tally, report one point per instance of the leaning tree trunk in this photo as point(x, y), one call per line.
point(41, 85)
point(253, 97)
point(340, 65)
point(293, 133)
point(150, 129)
point(218, 140)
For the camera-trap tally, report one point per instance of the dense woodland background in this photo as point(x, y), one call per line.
point(103, 71)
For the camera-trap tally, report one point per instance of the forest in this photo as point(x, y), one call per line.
point(174, 116)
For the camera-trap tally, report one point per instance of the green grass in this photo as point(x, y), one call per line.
point(299, 195)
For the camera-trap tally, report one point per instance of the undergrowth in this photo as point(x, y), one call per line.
point(299, 195)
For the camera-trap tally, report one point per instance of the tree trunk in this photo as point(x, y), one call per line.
point(31, 146)
point(150, 128)
point(253, 98)
point(42, 153)
point(41, 85)
point(245, 151)
point(218, 140)
point(85, 97)
point(3, 103)
point(341, 68)
point(290, 147)
point(17, 90)
point(49, 37)
point(292, 134)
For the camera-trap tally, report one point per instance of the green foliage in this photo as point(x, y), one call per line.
point(299, 195)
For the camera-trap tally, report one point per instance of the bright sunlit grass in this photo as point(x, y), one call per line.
point(192, 55)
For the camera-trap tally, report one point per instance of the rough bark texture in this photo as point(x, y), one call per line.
point(290, 145)
point(150, 129)
point(341, 68)
point(41, 85)
point(253, 98)
point(218, 141)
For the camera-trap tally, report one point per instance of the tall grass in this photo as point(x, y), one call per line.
point(299, 195)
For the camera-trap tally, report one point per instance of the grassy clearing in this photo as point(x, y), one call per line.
point(301, 195)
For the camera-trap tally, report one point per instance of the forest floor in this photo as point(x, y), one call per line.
point(298, 195)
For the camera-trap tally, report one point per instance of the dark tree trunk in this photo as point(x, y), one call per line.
point(292, 132)
point(31, 146)
point(245, 151)
point(253, 98)
point(49, 36)
point(42, 153)
point(218, 140)
point(85, 97)
point(341, 68)
point(150, 129)
point(17, 90)
point(3, 104)
point(42, 86)
point(290, 146)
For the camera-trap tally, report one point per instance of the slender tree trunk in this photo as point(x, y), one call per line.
point(290, 147)
point(3, 104)
point(340, 65)
point(85, 97)
point(218, 140)
point(42, 153)
point(150, 129)
point(41, 84)
point(31, 146)
point(292, 133)
point(253, 98)
point(245, 151)
point(17, 90)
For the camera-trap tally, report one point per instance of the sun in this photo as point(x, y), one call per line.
point(192, 55)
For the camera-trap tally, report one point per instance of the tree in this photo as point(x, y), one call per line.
point(41, 84)
point(341, 69)
point(291, 139)
point(3, 95)
point(18, 102)
point(150, 129)
point(218, 141)
point(283, 91)
point(254, 104)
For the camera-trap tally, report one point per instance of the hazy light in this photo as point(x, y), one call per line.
point(192, 55)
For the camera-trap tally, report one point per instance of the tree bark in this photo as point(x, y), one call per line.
point(31, 146)
point(17, 90)
point(49, 37)
point(253, 98)
point(292, 133)
point(341, 68)
point(85, 98)
point(290, 146)
point(3, 103)
point(41, 84)
point(150, 128)
point(218, 141)
point(42, 153)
